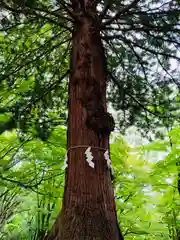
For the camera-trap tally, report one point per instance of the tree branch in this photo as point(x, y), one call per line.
point(134, 99)
point(104, 11)
point(33, 12)
point(120, 12)
point(156, 13)
point(154, 52)
point(33, 60)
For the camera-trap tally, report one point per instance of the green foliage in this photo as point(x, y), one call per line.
point(147, 199)
point(146, 188)
point(33, 93)
point(35, 40)
point(31, 183)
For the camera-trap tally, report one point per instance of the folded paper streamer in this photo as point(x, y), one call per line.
point(89, 157)
point(65, 162)
point(106, 156)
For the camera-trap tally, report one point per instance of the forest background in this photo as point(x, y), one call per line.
point(143, 96)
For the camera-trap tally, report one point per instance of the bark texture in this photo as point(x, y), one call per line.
point(88, 211)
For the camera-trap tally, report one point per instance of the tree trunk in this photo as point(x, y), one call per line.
point(88, 211)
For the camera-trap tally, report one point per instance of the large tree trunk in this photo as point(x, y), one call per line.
point(88, 211)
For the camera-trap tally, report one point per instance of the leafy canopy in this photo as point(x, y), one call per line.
point(141, 41)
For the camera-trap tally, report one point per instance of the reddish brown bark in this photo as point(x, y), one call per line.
point(88, 211)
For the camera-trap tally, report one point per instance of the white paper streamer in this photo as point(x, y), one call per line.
point(89, 157)
point(65, 162)
point(106, 156)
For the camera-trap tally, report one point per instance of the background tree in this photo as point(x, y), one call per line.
point(144, 34)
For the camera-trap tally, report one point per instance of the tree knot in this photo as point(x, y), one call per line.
point(101, 122)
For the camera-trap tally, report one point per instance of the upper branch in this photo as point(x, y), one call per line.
point(147, 49)
point(35, 12)
point(120, 12)
point(105, 9)
point(146, 109)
